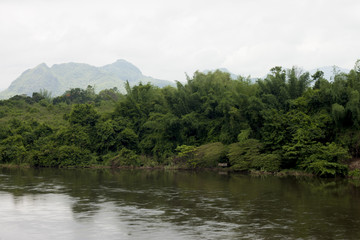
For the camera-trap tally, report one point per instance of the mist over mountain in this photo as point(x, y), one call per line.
point(61, 77)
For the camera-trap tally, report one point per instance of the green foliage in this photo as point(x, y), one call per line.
point(186, 151)
point(355, 173)
point(128, 138)
point(303, 132)
point(2, 113)
point(112, 94)
point(45, 94)
point(107, 136)
point(247, 154)
point(330, 152)
point(84, 115)
point(326, 160)
point(324, 168)
point(243, 135)
point(44, 155)
point(267, 162)
point(274, 132)
point(351, 139)
point(204, 156)
point(242, 154)
point(352, 108)
point(208, 155)
point(37, 97)
point(4, 132)
point(73, 135)
point(12, 150)
point(69, 156)
point(126, 157)
point(275, 123)
point(338, 113)
point(77, 96)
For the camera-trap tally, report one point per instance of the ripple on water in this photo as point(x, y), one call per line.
point(92, 206)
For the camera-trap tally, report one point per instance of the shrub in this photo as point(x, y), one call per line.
point(208, 155)
point(267, 162)
point(126, 157)
point(185, 152)
point(12, 153)
point(326, 160)
point(147, 161)
point(128, 138)
point(242, 154)
point(2, 113)
point(12, 150)
point(73, 156)
point(354, 173)
point(324, 168)
point(84, 115)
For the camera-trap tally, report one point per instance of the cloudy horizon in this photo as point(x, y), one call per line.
point(166, 39)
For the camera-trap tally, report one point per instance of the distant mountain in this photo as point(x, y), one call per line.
point(225, 70)
point(233, 76)
point(62, 77)
point(329, 71)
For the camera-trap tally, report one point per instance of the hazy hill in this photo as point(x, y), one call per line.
point(61, 77)
point(330, 71)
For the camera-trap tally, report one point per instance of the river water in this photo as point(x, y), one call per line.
point(157, 204)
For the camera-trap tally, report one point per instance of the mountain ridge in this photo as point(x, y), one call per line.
point(61, 77)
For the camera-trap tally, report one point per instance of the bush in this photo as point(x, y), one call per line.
point(324, 168)
point(12, 154)
point(128, 138)
point(73, 156)
point(12, 150)
point(242, 154)
point(147, 161)
point(354, 173)
point(326, 160)
point(185, 152)
point(2, 113)
point(246, 155)
point(126, 157)
point(267, 162)
point(84, 115)
point(208, 155)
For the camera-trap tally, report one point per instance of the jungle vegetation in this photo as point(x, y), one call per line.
point(288, 120)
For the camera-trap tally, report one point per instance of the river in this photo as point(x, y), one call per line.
point(158, 204)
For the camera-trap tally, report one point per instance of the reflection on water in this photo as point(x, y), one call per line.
point(138, 204)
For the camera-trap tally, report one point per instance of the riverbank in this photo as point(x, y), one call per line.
point(283, 173)
point(354, 173)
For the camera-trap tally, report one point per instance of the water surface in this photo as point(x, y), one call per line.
point(157, 204)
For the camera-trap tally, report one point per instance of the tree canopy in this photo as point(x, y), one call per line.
point(289, 119)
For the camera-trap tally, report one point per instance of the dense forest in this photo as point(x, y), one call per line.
point(288, 120)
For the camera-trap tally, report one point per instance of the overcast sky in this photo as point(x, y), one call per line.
point(166, 38)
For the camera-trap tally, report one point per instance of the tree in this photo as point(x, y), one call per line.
point(84, 115)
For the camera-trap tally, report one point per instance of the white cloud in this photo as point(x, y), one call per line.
point(165, 39)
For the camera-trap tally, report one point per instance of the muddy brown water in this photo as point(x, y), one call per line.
point(159, 204)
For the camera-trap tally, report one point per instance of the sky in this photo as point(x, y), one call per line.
point(169, 39)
